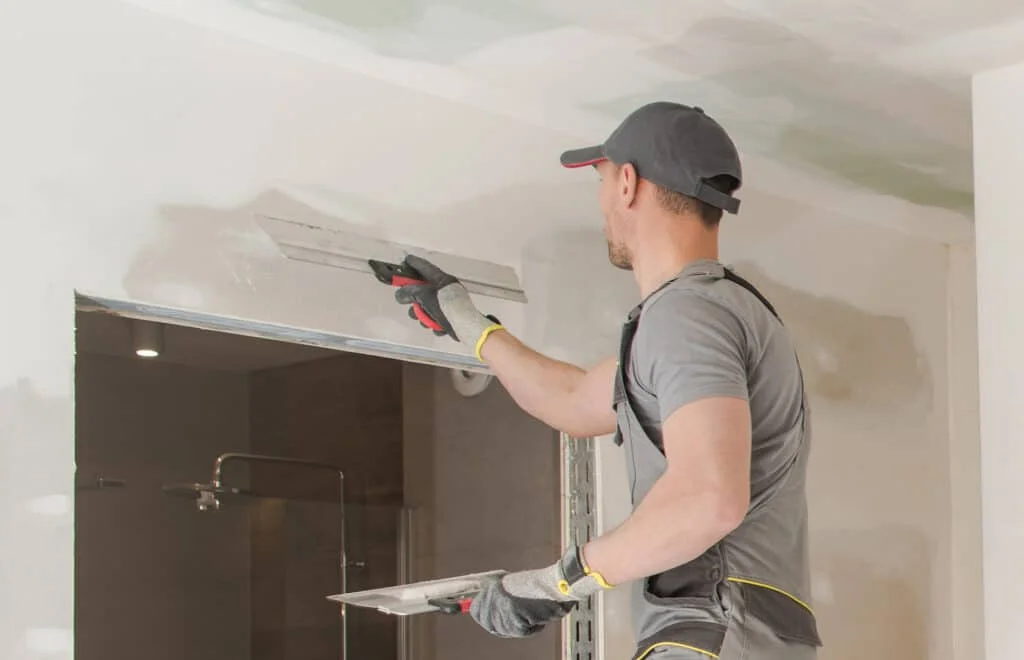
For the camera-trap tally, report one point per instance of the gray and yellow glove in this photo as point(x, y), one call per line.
point(521, 604)
point(445, 300)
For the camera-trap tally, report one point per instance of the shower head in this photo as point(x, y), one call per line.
point(206, 496)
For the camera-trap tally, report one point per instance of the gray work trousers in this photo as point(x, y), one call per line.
point(746, 638)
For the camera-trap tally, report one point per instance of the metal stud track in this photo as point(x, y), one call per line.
point(579, 632)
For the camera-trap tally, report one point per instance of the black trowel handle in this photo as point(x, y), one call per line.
point(452, 604)
point(401, 275)
point(394, 274)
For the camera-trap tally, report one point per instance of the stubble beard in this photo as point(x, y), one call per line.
point(619, 256)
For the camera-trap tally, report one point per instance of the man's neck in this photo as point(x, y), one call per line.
point(666, 260)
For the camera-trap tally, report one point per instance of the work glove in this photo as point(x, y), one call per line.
point(523, 603)
point(445, 300)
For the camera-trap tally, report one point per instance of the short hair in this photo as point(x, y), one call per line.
point(681, 204)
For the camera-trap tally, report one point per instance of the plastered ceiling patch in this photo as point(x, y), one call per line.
point(439, 32)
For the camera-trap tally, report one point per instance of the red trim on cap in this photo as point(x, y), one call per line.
point(593, 161)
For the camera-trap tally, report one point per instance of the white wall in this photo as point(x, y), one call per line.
point(998, 162)
point(135, 149)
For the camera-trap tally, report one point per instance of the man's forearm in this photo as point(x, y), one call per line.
point(562, 395)
point(670, 527)
point(539, 385)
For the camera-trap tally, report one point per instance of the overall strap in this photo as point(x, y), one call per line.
point(620, 394)
point(733, 277)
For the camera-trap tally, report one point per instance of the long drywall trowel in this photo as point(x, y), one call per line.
point(448, 596)
point(328, 247)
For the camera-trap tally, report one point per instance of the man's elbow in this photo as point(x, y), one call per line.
point(726, 512)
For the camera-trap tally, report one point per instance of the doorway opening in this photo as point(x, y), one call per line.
point(229, 479)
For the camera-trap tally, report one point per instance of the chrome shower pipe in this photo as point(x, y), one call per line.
point(218, 468)
point(218, 465)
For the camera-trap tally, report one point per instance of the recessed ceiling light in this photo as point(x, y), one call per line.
point(147, 338)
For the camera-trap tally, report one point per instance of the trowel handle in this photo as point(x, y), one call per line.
point(452, 605)
point(401, 275)
point(394, 274)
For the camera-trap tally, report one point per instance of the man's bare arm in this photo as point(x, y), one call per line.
point(562, 395)
point(702, 496)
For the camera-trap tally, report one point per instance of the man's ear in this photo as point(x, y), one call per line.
point(627, 184)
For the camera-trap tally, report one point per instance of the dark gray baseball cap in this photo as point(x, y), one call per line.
point(676, 146)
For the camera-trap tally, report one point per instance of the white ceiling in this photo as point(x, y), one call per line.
point(862, 94)
point(145, 129)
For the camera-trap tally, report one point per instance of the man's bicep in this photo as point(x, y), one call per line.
point(592, 400)
point(707, 445)
point(695, 349)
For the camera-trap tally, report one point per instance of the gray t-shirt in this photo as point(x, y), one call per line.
point(705, 336)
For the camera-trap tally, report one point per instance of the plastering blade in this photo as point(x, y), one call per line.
point(447, 595)
point(342, 249)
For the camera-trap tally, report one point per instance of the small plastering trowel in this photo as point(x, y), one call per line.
point(447, 596)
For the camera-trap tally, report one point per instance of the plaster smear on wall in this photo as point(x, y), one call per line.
point(876, 271)
point(849, 355)
point(875, 577)
point(507, 217)
point(223, 260)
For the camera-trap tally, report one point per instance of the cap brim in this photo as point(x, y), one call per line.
point(583, 157)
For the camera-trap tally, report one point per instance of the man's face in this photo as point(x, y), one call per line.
point(614, 210)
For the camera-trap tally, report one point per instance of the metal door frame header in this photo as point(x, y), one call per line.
point(277, 332)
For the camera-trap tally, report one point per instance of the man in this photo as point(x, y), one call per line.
point(706, 398)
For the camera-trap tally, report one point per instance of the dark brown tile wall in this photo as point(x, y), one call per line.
point(346, 411)
point(160, 580)
point(484, 479)
point(154, 577)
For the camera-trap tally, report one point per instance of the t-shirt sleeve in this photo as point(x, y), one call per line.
point(690, 347)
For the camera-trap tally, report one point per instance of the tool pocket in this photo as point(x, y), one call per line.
point(785, 617)
point(696, 583)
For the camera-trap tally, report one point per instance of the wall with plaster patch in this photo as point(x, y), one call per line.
point(136, 149)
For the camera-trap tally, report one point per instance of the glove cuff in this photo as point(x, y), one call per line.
point(471, 327)
point(577, 579)
point(495, 324)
